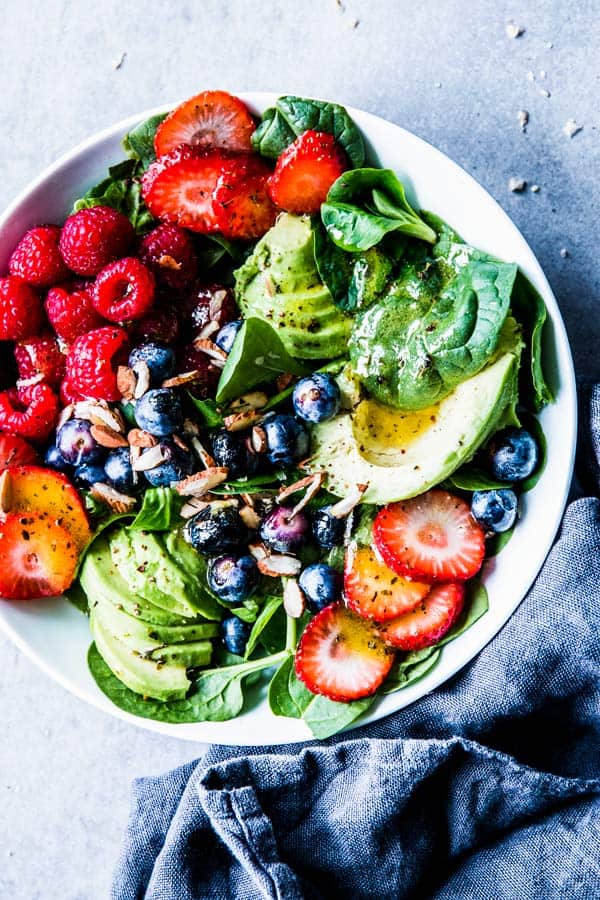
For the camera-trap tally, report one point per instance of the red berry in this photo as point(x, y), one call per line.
point(92, 364)
point(243, 207)
point(210, 306)
point(71, 313)
point(432, 537)
point(375, 591)
point(429, 622)
point(123, 290)
point(92, 238)
point(14, 451)
point(341, 656)
point(37, 258)
point(68, 394)
point(210, 120)
point(29, 412)
point(161, 324)
point(21, 313)
point(305, 171)
point(40, 356)
point(191, 359)
point(38, 557)
point(169, 253)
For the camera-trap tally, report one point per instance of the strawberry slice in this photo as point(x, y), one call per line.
point(340, 655)
point(38, 557)
point(305, 171)
point(429, 622)
point(211, 120)
point(242, 205)
point(432, 537)
point(375, 591)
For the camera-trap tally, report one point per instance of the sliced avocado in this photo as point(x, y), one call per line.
point(401, 454)
point(193, 568)
point(280, 283)
point(192, 654)
point(127, 626)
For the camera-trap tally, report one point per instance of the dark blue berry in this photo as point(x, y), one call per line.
point(178, 464)
point(513, 454)
point(160, 412)
point(235, 634)
point(118, 471)
point(287, 439)
point(159, 358)
point(216, 530)
point(316, 398)
point(495, 510)
point(327, 529)
point(88, 474)
point(76, 444)
point(321, 585)
point(283, 533)
point(55, 460)
point(229, 449)
point(227, 335)
point(231, 579)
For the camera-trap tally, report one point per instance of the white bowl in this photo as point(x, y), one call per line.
point(56, 636)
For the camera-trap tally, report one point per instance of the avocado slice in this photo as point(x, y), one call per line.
point(192, 566)
point(401, 454)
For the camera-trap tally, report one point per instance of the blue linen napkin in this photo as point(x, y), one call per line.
point(487, 788)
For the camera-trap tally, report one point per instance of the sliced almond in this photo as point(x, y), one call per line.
point(248, 499)
point(167, 262)
point(258, 439)
point(192, 506)
point(184, 378)
point(126, 382)
point(252, 400)
point(141, 371)
point(190, 427)
point(117, 502)
point(98, 412)
point(279, 564)
point(202, 482)
point(308, 482)
point(259, 550)
point(294, 601)
point(239, 421)
point(108, 437)
point(250, 517)
point(209, 329)
point(211, 349)
point(65, 415)
point(150, 459)
point(203, 455)
point(134, 455)
point(137, 437)
point(5, 491)
point(345, 506)
point(216, 303)
point(181, 444)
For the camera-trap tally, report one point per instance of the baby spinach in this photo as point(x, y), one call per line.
point(139, 143)
point(476, 605)
point(122, 192)
point(473, 478)
point(291, 116)
point(209, 412)
point(354, 280)
point(498, 542)
point(214, 248)
point(257, 356)
point(270, 607)
point(160, 510)
point(365, 205)
point(534, 427)
point(410, 668)
point(530, 310)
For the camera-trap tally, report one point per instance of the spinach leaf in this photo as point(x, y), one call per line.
point(209, 412)
point(287, 694)
point(530, 310)
point(121, 191)
point(273, 635)
point(476, 605)
point(354, 280)
point(248, 612)
point(291, 116)
point(139, 143)
point(78, 597)
point(472, 478)
point(269, 609)
point(365, 205)
point(257, 356)
point(213, 248)
point(534, 427)
point(160, 510)
point(410, 668)
point(498, 542)
point(362, 531)
point(255, 485)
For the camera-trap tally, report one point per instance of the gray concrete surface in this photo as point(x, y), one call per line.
point(445, 70)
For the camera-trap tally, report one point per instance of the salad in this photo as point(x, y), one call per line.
point(261, 420)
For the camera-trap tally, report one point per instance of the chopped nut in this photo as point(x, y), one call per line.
point(126, 382)
point(203, 455)
point(181, 444)
point(167, 262)
point(108, 437)
point(193, 506)
point(248, 499)
point(250, 517)
point(150, 459)
point(253, 400)
point(523, 119)
point(209, 329)
point(142, 374)
point(117, 502)
point(190, 428)
point(184, 378)
point(5, 491)
point(513, 30)
point(294, 601)
point(258, 439)
point(134, 455)
point(312, 483)
point(517, 185)
point(279, 564)
point(571, 128)
point(137, 437)
point(98, 413)
point(239, 421)
point(216, 302)
point(202, 482)
point(345, 506)
point(65, 415)
point(259, 550)
point(212, 350)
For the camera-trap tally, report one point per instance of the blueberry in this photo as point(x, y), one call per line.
point(55, 460)
point(76, 444)
point(230, 450)
point(495, 510)
point(321, 585)
point(88, 474)
point(216, 530)
point(227, 335)
point(283, 533)
point(178, 464)
point(513, 454)
point(231, 579)
point(316, 398)
point(160, 412)
point(159, 358)
point(235, 634)
point(327, 529)
point(118, 471)
point(287, 439)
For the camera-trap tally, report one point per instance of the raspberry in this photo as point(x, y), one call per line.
point(68, 394)
point(191, 359)
point(71, 312)
point(92, 364)
point(92, 238)
point(210, 303)
point(21, 313)
point(37, 258)
point(40, 356)
point(160, 325)
point(29, 412)
point(123, 290)
point(169, 253)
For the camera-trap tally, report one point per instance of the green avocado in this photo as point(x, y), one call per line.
point(279, 283)
point(401, 454)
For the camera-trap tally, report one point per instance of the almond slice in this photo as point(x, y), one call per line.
point(137, 437)
point(203, 455)
point(279, 564)
point(119, 503)
point(192, 506)
point(294, 601)
point(252, 400)
point(141, 371)
point(312, 483)
point(65, 415)
point(239, 421)
point(126, 382)
point(98, 412)
point(150, 459)
point(108, 437)
point(180, 443)
point(209, 329)
point(345, 506)
point(202, 482)
point(259, 550)
point(190, 428)
point(184, 378)
point(211, 349)
point(250, 517)
point(258, 439)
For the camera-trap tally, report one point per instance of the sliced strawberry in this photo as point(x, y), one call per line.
point(14, 451)
point(432, 537)
point(211, 120)
point(179, 188)
point(243, 208)
point(340, 655)
point(38, 557)
point(305, 171)
point(429, 622)
point(376, 592)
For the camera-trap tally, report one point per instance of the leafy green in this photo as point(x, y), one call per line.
point(410, 668)
point(160, 510)
point(139, 143)
point(365, 205)
point(254, 485)
point(121, 191)
point(270, 607)
point(530, 310)
point(362, 531)
point(476, 605)
point(214, 248)
point(533, 425)
point(209, 412)
point(472, 478)
point(257, 356)
point(498, 542)
point(291, 116)
point(78, 597)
